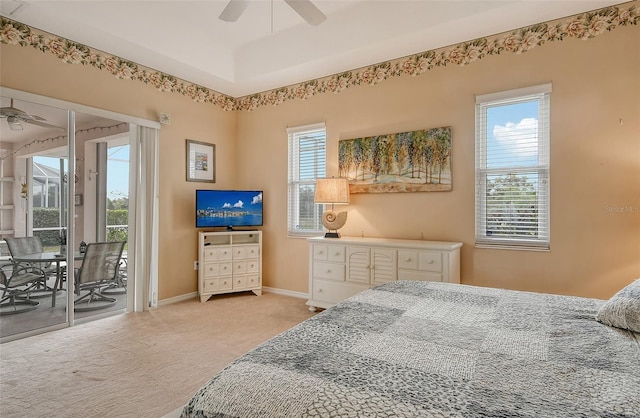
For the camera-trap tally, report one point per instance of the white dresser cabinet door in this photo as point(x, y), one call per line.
point(358, 264)
point(384, 265)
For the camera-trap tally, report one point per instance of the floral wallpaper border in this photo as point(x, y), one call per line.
point(583, 26)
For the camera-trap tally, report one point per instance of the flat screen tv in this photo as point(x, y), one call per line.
point(228, 208)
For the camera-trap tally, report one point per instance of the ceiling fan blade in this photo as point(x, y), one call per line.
point(42, 124)
point(308, 11)
point(234, 9)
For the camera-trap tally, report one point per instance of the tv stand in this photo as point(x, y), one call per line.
point(229, 261)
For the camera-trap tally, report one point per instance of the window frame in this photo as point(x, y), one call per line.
point(541, 94)
point(294, 180)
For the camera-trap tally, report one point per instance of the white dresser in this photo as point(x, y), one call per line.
point(341, 267)
point(229, 262)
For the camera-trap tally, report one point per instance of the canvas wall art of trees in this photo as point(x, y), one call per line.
point(416, 161)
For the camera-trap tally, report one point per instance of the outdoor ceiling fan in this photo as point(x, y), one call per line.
point(15, 118)
point(305, 8)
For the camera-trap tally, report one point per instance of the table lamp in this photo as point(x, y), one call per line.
point(334, 191)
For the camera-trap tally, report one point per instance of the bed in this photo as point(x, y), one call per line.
point(411, 349)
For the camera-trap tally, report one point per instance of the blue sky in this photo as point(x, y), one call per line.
point(512, 131)
point(118, 171)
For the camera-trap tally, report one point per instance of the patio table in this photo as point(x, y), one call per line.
point(48, 257)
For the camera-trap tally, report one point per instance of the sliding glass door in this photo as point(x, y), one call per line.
point(70, 192)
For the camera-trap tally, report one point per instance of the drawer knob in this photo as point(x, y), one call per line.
point(430, 262)
point(328, 271)
point(407, 259)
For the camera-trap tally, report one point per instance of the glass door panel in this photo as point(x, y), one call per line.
point(34, 160)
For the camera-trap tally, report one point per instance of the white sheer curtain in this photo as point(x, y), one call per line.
point(143, 217)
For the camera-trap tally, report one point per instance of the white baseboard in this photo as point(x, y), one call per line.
point(179, 298)
point(284, 292)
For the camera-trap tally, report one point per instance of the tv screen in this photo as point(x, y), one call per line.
point(228, 208)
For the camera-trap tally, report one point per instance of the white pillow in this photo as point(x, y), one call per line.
point(623, 309)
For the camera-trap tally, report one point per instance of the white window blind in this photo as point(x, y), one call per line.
point(512, 168)
point(307, 162)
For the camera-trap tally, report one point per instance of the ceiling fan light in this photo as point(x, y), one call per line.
point(14, 123)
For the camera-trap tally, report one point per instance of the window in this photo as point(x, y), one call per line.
point(307, 162)
point(49, 211)
point(512, 168)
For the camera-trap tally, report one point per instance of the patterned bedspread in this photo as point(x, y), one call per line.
point(424, 349)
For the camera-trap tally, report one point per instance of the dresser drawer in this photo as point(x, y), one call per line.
point(329, 271)
point(216, 253)
point(320, 252)
point(239, 282)
point(334, 292)
point(253, 266)
point(253, 280)
point(216, 269)
point(335, 253)
point(210, 285)
point(408, 259)
point(430, 261)
point(239, 267)
point(221, 283)
point(245, 251)
point(225, 283)
point(253, 251)
point(422, 275)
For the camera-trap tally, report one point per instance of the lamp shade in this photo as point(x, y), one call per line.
point(333, 190)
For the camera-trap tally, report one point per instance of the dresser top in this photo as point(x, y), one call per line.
point(388, 242)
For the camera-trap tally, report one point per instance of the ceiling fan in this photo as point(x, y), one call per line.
point(15, 118)
point(305, 8)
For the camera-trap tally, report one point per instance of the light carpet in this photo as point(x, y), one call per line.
point(140, 364)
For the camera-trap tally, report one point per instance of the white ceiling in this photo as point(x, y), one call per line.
point(269, 48)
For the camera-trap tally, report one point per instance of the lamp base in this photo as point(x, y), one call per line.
point(332, 235)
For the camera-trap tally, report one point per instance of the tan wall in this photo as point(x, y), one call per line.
point(29, 70)
point(595, 160)
point(595, 164)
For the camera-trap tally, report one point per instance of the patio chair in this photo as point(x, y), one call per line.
point(16, 285)
point(19, 246)
point(119, 287)
point(99, 269)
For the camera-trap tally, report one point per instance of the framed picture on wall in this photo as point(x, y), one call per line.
point(201, 161)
